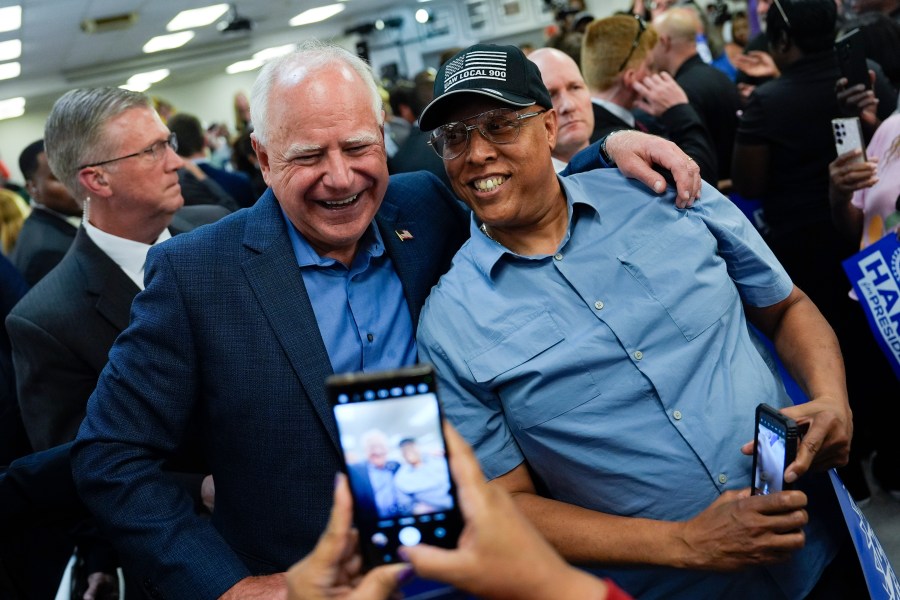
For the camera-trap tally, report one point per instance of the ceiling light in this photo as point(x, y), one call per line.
point(150, 77)
point(140, 82)
point(12, 107)
point(244, 65)
point(422, 15)
point(142, 86)
point(197, 17)
point(10, 50)
point(167, 42)
point(314, 15)
point(274, 52)
point(10, 18)
point(10, 70)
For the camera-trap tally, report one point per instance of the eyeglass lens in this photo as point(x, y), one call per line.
point(500, 126)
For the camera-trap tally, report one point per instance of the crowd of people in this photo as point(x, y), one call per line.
point(602, 322)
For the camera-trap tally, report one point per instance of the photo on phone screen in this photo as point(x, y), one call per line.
point(396, 459)
point(775, 449)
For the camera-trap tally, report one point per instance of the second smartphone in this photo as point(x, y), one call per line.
point(775, 448)
point(393, 447)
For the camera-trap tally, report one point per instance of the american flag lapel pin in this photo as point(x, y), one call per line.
point(403, 234)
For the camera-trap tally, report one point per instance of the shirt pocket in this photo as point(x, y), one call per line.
point(679, 266)
point(537, 376)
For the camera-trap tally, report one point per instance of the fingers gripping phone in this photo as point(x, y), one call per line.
point(395, 456)
point(775, 448)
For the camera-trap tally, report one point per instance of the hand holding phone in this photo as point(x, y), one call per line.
point(395, 455)
point(774, 449)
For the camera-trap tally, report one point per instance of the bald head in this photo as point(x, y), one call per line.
point(570, 98)
point(677, 28)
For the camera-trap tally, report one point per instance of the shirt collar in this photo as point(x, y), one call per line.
point(371, 243)
point(486, 252)
point(619, 111)
point(73, 220)
point(129, 255)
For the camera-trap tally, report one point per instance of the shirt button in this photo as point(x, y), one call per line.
point(677, 415)
point(723, 478)
point(558, 257)
point(598, 305)
point(638, 355)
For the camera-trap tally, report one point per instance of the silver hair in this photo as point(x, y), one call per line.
point(73, 133)
point(311, 56)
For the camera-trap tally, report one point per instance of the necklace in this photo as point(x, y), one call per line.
point(484, 230)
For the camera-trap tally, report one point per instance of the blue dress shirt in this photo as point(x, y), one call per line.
point(361, 310)
point(621, 367)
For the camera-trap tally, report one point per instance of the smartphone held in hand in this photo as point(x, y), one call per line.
point(393, 447)
point(775, 448)
point(848, 136)
point(851, 57)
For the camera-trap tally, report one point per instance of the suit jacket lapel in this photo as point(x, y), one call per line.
point(104, 279)
point(405, 254)
point(272, 272)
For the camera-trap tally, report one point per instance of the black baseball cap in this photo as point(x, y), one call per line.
point(499, 72)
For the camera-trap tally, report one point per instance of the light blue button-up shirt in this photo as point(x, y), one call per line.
point(620, 367)
point(361, 310)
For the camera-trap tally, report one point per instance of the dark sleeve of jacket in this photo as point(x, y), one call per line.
point(38, 488)
point(13, 441)
point(586, 160)
point(687, 130)
point(53, 378)
point(207, 191)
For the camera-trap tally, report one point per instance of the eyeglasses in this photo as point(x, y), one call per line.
point(500, 126)
point(637, 38)
point(152, 153)
point(787, 22)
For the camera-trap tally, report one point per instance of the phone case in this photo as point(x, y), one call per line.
point(394, 453)
point(851, 57)
point(848, 136)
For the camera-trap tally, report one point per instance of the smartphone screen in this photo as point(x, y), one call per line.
point(396, 460)
point(775, 449)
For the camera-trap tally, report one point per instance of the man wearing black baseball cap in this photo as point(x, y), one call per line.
point(576, 304)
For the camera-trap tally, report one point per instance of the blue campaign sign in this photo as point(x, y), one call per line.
point(875, 275)
point(880, 576)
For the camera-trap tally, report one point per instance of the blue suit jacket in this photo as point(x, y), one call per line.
point(224, 345)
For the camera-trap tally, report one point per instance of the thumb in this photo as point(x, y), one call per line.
point(380, 582)
point(431, 562)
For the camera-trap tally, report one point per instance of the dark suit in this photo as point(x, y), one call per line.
point(44, 240)
point(236, 185)
point(13, 441)
point(225, 335)
point(196, 192)
point(416, 155)
point(716, 99)
point(62, 330)
point(681, 124)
